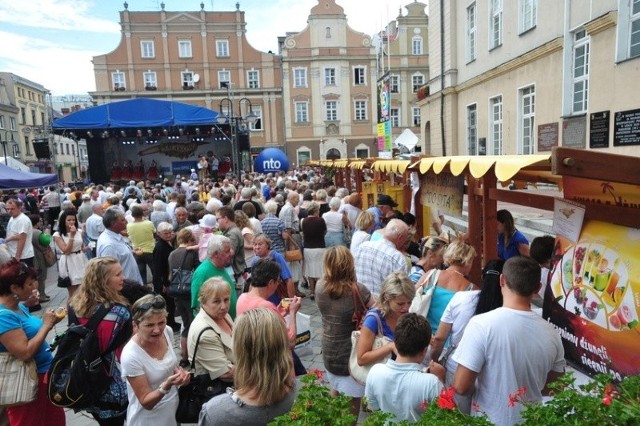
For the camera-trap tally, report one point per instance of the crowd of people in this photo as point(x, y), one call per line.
point(123, 247)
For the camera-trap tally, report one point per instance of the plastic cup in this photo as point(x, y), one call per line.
point(61, 312)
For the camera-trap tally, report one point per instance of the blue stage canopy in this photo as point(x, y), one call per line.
point(16, 179)
point(134, 113)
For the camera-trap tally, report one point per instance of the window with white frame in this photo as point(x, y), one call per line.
point(416, 116)
point(187, 78)
point(472, 129)
point(495, 125)
point(257, 111)
point(359, 75)
point(471, 33)
point(580, 71)
point(528, 14)
point(360, 110)
point(329, 76)
point(147, 49)
point(634, 39)
point(253, 79)
point(628, 30)
point(417, 45)
point(417, 81)
point(222, 48)
point(526, 123)
point(12, 124)
point(331, 110)
point(299, 77)
point(495, 24)
point(150, 79)
point(184, 48)
point(302, 112)
point(303, 154)
point(224, 78)
point(394, 83)
point(362, 151)
point(118, 80)
point(394, 117)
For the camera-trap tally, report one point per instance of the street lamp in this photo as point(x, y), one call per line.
point(235, 121)
point(4, 144)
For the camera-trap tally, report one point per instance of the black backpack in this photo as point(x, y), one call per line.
point(77, 375)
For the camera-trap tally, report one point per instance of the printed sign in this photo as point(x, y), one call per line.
point(567, 219)
point(547, 136)
point(271, 160)
point(443, 192)
point(599, 129)
point(627, 128)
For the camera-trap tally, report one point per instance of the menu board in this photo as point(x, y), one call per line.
point(593, 299)
point(627, 128)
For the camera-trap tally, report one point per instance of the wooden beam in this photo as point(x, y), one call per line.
point(591, 164)
point(524, 198)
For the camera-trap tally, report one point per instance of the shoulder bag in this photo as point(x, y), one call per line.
point(422, 299)
point(359, 309)
point(360, 372)
point(180, 283)
point(18, 380)
point(293, 252)
point(200, 389)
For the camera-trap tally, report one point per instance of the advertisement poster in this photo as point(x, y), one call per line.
point(443, 192)
point(593, 299)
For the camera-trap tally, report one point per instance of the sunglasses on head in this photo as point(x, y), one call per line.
point(24, 268)
point(158, 303)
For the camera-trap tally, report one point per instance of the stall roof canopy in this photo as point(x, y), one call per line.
point(140, 112)
point(16, 179)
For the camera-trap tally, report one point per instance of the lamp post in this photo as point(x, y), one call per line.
point(4, 144)
point(226, 104)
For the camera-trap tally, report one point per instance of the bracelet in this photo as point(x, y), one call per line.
point(162, 390)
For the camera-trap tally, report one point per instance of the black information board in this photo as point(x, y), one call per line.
point(599, 129)
point(627, 128)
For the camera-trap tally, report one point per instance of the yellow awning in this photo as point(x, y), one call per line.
point(358, 164)
point(506, 166)
point(340, 163)
point(390, 166)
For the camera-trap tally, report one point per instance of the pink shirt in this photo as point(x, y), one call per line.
point(248, 301)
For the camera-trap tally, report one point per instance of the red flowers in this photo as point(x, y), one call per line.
point(318, 373)
point(446, 399)
point(609, 393)
point(516, 397)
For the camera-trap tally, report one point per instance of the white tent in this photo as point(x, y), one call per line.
point(408, 139)
point(14, 164)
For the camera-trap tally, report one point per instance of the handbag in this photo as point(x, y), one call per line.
point(360, 372)
point(180, 284)
point(200, 389)
point(422, 300)
point(18, 380)
point(359, 312)
point(49, 257)
point(293, 254)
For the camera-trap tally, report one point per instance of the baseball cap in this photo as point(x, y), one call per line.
point(208, 221)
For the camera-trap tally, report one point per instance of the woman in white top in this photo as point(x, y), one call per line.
point(463, 306)
point(246, 228)
point(335, 224)
point(364, 225)
point(150, 366)
point(73, 260)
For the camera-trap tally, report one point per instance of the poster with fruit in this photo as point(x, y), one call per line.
point(593, 299)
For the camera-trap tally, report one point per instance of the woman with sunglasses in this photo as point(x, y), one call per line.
point(23, 336)
point(73, 260)
point(215, 348)
point(150, 365)
point(432, 256)
point(102, 285)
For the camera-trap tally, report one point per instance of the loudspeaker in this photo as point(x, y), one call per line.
point(41, 149)
point(243, 141)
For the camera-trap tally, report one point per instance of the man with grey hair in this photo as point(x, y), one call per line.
point(245, 197)
point(112, 243)
point(377, 259)
point(219, 256)
point(94, 227)
point(291, 235)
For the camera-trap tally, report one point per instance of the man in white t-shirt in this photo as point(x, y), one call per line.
point(510, 354)
point(19, 233)
point(403, 387)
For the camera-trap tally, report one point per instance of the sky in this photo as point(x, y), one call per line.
point(52, 42)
